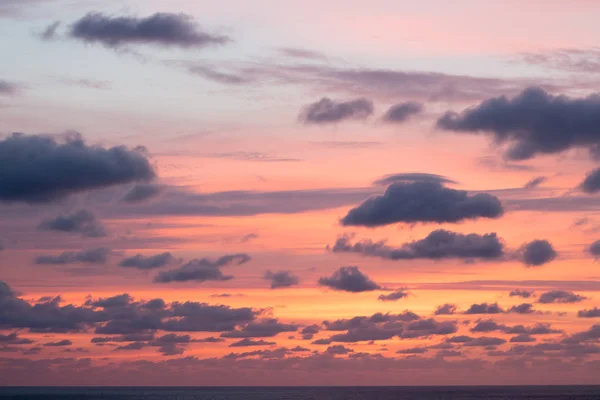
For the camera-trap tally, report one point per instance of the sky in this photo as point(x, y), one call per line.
point(299, 193)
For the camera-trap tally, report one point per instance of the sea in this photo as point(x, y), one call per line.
point(302, 393)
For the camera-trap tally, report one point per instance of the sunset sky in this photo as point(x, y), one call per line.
point(267, 192)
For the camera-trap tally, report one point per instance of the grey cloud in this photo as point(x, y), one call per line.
point(523, 338)
point(49, 32)
point(440, 244)
point(142, 192)
point(413, 350)
point(349, 279)
point(249, 342)
point(302, 53)
point(61, 343)
point(411, 177)
point(422, 202)
point(148, 262)
point(560, 296)
point(484, 308)
point(202, 270)
point(591, 183)
point(338, 350)
point(327, 111)
point(14, 339)
point(309, 331)
point(532, 123)
point(594, 248)
point(82, 221)
point(446, 309)
point(212, 74)
point(536, 253)
point(401, 112)
point(484, 341)
point(90, 256)
point(281, 279)
point(163, 29)
point(521, 293)
point(262, 328)
point(396, 295)
point(535, 182)
point(524, 308)
point(8, 88)
point(591, 313)
point(37, 169)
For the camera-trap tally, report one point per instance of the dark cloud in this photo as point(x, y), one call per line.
point(263, 328)
point(591, 183)
point(309, 331)
point(61, 343)
point(535, 182)
point(411, 177)
point(484, 308)
point(281, 279)
point(323, 341)
point(82, 221)
point(349, 279)
point(8, 88)
point(594, 249)
point(532, 123)
point(338, 350)
point(161, 29)
point(148, 262)
point(591, 313)
point(202, 270)
point(13, 339)
point(521, 293)
point(484, 341)
point(524, 308)
point(440, 244)
point(327, 111)
point(560, 296)
point(202, 317)
point(90, 256)
point(401, 112)
point(536, 253)
point(413, 350)
point(396, 295)
point(142, 192)
point(49, 33)
point(523, 338)
point(37, 169)
point(446, 309)
point(210, 339)
point(422, 202)
point(249, 342)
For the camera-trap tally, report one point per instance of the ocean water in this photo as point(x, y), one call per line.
point(304, 393)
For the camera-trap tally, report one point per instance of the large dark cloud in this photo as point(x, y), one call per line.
point(263, 328)
point(536, 253)
point(163, 29)
point(591, 313)
point(327, 111)
point(532, 123)
point(349, 279)
point(560, 296)
point(281, 279)
point(37, 169)
point(440, 244)
point(411, 177)
point(82, 221)
point(422, 202)
point(202, 270)
point(140, 261)
point(90, 256)
point(401, 112)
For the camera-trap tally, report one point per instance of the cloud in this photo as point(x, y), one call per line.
point(536, 253)
point(301, 53)
point(14, 339)
point(524, 308)
point(484, 308)
point(327, 111)
point(8, 88)
point(401, 112)
point(162, 29)
point(249, 342)
point(422, 202)
point(535, 182)
point(90, 256)
point(591, 313)
point(82, 221)
point(349, 279)
point(50, 32)
point(263, 328)
point(560, 296)
point(338, 350)
point(281, 279)
point(37, 169)
point(484, 341)
point(61, 343)
point(594, 249)
point(521, 293)
point(396, 295)
point(440, 244)
point(202, 270)
point(148, 262)
point(533, 123)
point(411, 177)
point(591, 183)
point(309, 331)
point(446, 309)
point(142, 192)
